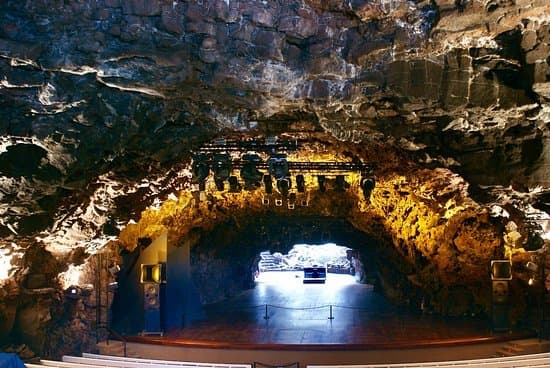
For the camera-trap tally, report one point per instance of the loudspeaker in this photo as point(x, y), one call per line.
point(500, 292)
point(151, 296)
point(152, 308)
point(499, 318)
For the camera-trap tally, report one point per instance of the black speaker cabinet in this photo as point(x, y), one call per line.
point(500, 317)
point(152, 308)
point(151, 296)
point(500, 292)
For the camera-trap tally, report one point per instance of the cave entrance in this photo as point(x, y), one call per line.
point(309, 263)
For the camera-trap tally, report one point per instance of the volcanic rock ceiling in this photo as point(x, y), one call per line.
point(102, 102)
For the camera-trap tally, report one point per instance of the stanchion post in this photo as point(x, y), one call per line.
point(266, 316)
point(331, 316)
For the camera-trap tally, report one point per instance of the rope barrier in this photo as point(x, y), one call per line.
point(266, 308)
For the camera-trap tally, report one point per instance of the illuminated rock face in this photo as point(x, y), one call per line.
point(432, 240)
point(101, 103)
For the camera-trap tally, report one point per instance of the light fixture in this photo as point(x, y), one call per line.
point(234, 185)
point(367, 185)
point(291, 201)
point(72, 292)
point(283, 185)
point(278, 165)
point(222, 166)
point(268, 185)
point(300, 183)
point(249, 171)
point(321, 180)
point(340, 183)
point(200, 170)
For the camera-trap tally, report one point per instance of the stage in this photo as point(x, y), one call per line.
point(340, 322)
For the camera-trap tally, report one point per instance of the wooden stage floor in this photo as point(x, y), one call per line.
point(298, 315)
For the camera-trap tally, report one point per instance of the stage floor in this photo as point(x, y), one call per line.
point(300, 314)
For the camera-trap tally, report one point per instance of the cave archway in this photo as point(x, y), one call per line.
point(224, 260)
point(431, 237)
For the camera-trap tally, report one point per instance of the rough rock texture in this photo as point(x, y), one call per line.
point(102, 102)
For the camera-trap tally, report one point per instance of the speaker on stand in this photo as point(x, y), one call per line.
point(501, 274)
point(152, 279)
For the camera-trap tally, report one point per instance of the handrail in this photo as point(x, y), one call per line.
point(120, 337)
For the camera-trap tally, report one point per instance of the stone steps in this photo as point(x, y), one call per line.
point(522, 347)
point(116, 348)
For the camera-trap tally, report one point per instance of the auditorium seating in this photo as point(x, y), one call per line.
point(107, 361)
point(518, 361)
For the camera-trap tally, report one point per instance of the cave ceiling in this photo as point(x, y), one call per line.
point(102, 102)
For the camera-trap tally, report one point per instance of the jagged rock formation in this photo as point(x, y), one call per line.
point(101, 103)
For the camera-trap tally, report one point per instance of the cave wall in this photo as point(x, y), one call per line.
point(39, 316)
point(106, 99)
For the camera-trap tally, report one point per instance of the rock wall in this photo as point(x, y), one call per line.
point(56, 306)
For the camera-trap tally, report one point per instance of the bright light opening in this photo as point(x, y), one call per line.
point(288, 269)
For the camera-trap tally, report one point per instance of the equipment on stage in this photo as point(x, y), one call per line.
point(152, 278)
point(315, 275)
point(501, 274)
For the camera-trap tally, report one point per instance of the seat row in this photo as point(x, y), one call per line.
point(107, 361)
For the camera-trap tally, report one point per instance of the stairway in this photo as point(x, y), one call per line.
point(268, 263)
point(116, 348)
point(522, 347)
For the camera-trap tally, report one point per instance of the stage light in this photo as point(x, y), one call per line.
point(268, 185)
point(291, 201)
point(249, 171)
point(283, 185)
point(72, 292)
point(234, 185)
point(341, 184)
point(300, 183)
point(278, 166)
point(200, 170)
point(367, 185)
point(222, 166)
point(321, 180)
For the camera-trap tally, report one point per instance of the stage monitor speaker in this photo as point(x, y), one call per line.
point(500, 292)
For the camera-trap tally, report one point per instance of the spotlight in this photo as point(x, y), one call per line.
point(278, 202)
point(72, 292)
point(234, 185)
point(341, 184)
point(278, 165)
point(265, 201)
point(367, 185)
point(200, 170)
point(283, 185)
point(268, 185)
point(321, 180)
point(249, 172)
point(221, 166)
point(291, 201)
point(300, 183)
